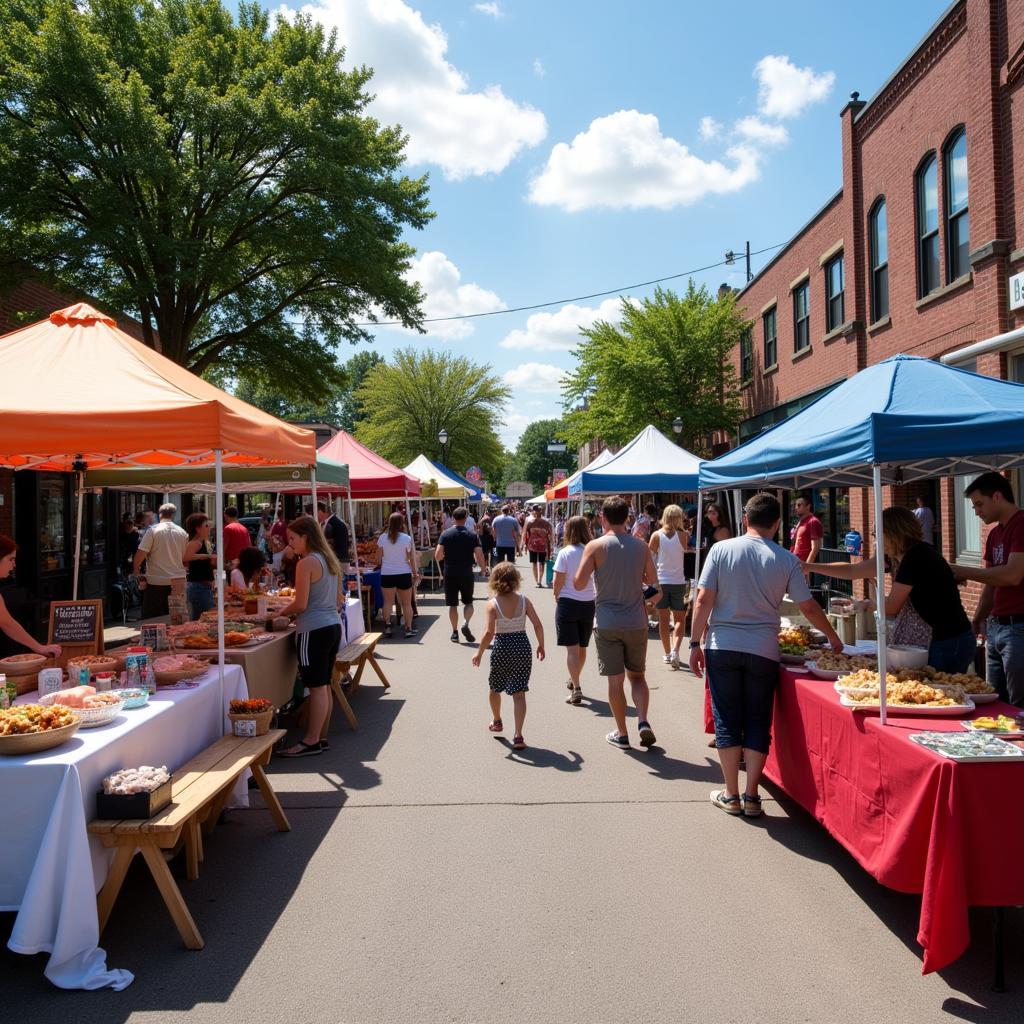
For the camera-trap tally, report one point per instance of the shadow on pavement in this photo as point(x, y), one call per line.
point(671, 768)
point(971, 974)
point(541, 757)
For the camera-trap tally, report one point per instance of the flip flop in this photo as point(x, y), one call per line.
point(495, 726)
point(518, 743)
point(305, 750)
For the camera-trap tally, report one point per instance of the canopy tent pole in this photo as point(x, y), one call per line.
point(312, 488)
point(696, 542)
point(355, 556)
point(218, 480)
point(78, 538)
point(880, 589)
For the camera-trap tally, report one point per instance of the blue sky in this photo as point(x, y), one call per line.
point(575, 147)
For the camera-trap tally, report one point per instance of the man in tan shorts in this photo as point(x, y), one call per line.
point(621, 566)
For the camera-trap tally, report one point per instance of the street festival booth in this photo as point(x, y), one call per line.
point(109, 401)
point(436, 483)
point(903, 792)
point(371, 479)
point(561, 490)
point(270, 665)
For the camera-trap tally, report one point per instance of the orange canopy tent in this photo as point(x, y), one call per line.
point(75, 388)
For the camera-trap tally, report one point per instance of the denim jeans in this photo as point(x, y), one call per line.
point(953, 654)
point(1005, 666)
point(200, 598)
point(742, 698)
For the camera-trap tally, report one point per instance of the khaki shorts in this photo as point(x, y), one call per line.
point(621, 650)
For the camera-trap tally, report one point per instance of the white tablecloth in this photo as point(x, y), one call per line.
point(52, 868)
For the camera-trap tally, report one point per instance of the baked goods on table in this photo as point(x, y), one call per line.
point(143, 779)
point(33, 718)
point(863, 688)
point(830, 661)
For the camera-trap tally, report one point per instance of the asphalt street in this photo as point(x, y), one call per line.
point(434, 874)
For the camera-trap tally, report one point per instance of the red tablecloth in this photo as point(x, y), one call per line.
point(918, 822)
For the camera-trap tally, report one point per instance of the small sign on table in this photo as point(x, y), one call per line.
point(77, 626)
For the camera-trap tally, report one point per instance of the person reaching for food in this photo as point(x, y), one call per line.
point(9, 625)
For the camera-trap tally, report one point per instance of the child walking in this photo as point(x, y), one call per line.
point(511, 658)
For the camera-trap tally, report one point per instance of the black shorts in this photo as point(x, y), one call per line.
point(458, 589)
point(317, 650)
point(574, 622)
point(505, 554)
point(538, 556)
point(400, 581)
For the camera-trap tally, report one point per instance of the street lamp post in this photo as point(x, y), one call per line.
point(442, 436)
point(677, 426)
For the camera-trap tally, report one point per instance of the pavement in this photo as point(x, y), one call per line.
point(434, 874)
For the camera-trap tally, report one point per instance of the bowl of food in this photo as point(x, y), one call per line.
point(904, 656)
point(22, 664)
point(31, 728)
point(99, 709)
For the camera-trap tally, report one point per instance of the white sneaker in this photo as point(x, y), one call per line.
point(667, 658)
point(674, 661)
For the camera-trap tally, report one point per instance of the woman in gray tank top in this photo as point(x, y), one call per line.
point(318, 624)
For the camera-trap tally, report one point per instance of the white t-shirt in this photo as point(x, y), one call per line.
point(164, 545)
point(568, 561)
point(395, 561)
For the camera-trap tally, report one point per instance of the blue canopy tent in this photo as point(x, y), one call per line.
point(904, 419)
point(476, 492)
point(650, 463)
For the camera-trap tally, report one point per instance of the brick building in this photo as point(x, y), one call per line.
point(913, 254)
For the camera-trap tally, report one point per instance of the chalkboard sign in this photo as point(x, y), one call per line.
point(77, 625)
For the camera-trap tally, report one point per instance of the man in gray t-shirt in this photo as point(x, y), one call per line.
point(737, 615)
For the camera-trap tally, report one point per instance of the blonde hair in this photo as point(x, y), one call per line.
point(901, 528)
point(309, 529)
point(673, 516)
point(577, 531)
point(505, 578)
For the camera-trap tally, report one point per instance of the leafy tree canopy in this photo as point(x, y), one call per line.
point(532, 458)
point(218, 177)
point(406, 403)
point(670, 357)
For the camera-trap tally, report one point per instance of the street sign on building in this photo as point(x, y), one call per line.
point(1016, 290)
point(519, 489)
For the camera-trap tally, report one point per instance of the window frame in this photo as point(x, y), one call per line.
point(774, 339)
point(878, 268)
point(951, 219)
point(805, 320)
point(832, 321)
point(747, 354)
point(927, 238)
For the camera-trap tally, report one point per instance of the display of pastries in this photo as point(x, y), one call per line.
point(31, 718)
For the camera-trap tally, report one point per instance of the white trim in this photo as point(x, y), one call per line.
point(979, 348)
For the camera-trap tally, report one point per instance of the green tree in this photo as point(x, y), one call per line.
point(532, 458)
point(219, 178)
point(407, 402)
point(670, 357)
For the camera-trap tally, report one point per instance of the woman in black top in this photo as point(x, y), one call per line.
point(198, 559)
point(922, 576)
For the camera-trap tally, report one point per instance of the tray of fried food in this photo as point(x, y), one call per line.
point(861, 690)
point(830, 665)
point(30, 728)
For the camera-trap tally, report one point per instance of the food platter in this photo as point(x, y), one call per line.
point(22, 664)
point(793, 659)
point(93, 718)
point(972, 748)
point(1004, 733)
point(26, 736)
point(917, 710)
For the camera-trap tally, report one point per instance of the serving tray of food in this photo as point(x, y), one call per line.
point(970, 747)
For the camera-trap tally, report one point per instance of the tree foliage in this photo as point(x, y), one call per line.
point(532, 461)
point(406, 403)
point(219, 178)
point(670, 357)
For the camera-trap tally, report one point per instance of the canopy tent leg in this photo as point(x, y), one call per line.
point(355, 550)
point(218, 512)
point(696, 542)
point(312, 489)
point(879, 588)
point(78, 537)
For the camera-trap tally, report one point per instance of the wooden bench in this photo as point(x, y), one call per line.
point(199, 791)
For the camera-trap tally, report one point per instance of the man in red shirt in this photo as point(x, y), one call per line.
point(280, 527)
point(807, 533)
point(236, 537)
point(1000, 614)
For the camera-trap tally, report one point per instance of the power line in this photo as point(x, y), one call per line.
point(728, 261)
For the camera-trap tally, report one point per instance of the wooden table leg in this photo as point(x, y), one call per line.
point(215, 807)
point(192, 852)
point(339, 696)
point(112, 886)
point(270, 798)
point(172, 897)
point(380, 673)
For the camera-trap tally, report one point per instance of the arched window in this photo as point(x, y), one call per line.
point(957, 246)
point(878, 234)
point(927, 189)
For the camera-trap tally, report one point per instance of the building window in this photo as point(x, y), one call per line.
point(801, 316)
point(968, 526)
point(835, 313)
point(771, 341)
point(927, 184)
point(879, 238)
point(746, 356)
point(957, 247)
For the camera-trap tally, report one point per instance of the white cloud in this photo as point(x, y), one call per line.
point(784, 90)
point(446, 295)
point(622, 161)
point(515, 424)
point(535, 377)
point(754, 129)
point(464, 132)
point(709, 128)
point(560, 331)
point(493, 9)
point(538, 68)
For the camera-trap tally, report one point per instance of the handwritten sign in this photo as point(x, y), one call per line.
point(77, 624)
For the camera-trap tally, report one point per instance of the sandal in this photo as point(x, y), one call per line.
point(304, 750)
point(495, 726)
point(575, 697)
point(518, 743)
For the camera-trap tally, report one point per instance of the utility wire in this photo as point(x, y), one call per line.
point(578, 298)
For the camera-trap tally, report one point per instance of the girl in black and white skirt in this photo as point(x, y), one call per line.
point(511, 657)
